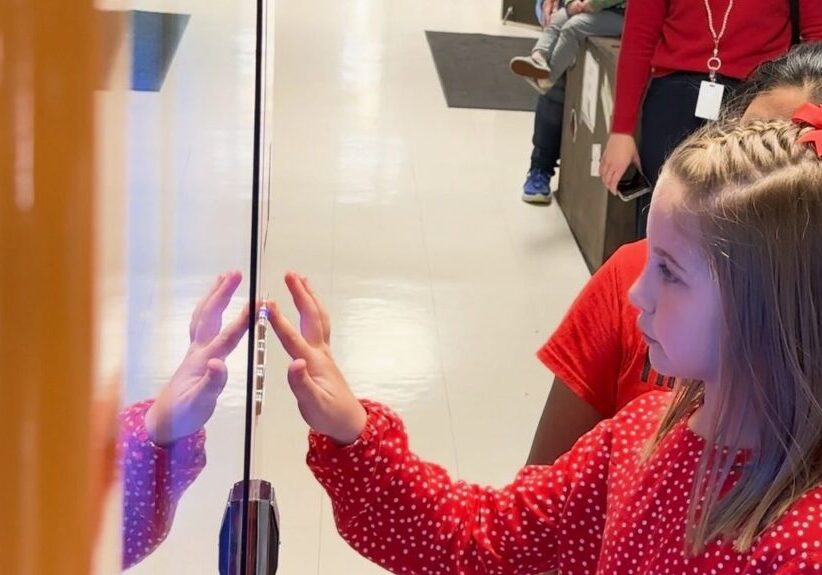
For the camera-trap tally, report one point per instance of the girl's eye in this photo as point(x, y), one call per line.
point(667, 275)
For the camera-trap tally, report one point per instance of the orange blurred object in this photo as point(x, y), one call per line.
point(55, 248)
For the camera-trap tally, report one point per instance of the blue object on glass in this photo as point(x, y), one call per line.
point(156, 38)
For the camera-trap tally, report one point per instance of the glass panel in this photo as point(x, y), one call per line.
point(189, 204)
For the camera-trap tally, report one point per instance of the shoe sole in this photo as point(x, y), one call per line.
point(525, 68)
point(535, 85)
point(543, 199)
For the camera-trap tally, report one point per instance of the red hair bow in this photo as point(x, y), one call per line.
point(810, 114)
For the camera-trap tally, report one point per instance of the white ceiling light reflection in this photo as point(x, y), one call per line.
point(387, 346)
point(362, 59)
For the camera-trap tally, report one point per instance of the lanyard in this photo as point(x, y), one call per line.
point(714, 63)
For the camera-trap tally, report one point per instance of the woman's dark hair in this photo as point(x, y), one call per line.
point(801, 67)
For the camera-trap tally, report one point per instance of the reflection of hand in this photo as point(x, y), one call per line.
point(620, 151)
point(323, 397)
point(188, 400)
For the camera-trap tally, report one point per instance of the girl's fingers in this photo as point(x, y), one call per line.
point(210, 316)
point(304, 388)
point(325, 319)
point(195, 315)
point(226, 342)
point(211, 385)
point(310, 317)
point(210, 320)
point(293, 343)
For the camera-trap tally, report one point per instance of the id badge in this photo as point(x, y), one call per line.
point(710, 100)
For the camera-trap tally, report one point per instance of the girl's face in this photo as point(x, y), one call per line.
point(677, 297)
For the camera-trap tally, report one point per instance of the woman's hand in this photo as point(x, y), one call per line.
point(620, 151)
point(188, 400)
point(323, 397)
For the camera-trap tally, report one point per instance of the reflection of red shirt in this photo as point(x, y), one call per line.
point(598, 350)
point(154, 479)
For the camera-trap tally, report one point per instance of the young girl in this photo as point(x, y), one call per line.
point(723, 476)
point(597, 354)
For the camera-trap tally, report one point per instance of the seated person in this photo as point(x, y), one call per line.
point(562, 35)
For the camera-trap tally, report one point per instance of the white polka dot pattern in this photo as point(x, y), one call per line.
point(154, 479)
point(596, 510)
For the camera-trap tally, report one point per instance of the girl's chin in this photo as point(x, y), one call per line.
point(658, 359)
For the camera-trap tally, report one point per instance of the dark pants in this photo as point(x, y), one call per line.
point(547, 138)
point(667, 119)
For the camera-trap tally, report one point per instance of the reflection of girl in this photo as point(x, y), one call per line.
point(163, 440)
point(724, 476)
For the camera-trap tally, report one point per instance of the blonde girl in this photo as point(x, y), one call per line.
point(724, 476)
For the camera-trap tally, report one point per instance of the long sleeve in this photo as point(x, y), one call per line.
point(410, 517)
point(154, 479)
point(642, 33)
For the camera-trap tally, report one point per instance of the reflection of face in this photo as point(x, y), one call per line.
point(677, 298)
point(777, 103)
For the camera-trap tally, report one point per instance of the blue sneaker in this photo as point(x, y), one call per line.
point(537, 187)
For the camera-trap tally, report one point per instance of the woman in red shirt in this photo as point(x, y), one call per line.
point(667, 52)
point(597, 354)
point(724, 476)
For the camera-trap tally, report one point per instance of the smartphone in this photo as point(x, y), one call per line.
point(632, 184)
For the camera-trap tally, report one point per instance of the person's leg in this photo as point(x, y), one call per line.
point(573, 33)
point(550, 34)
point(547, 140)
point(547, 137)
point(534, 67)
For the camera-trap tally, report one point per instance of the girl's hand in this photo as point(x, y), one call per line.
point(575, 7)
point(585, 6)
point(548, 8)
point(323, 397)
point(188, 400)
point(620, 151)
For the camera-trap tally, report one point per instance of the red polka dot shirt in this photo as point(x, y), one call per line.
point(154, 479)
point(598, 509)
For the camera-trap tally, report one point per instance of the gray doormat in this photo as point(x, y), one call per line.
point(473, 70)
